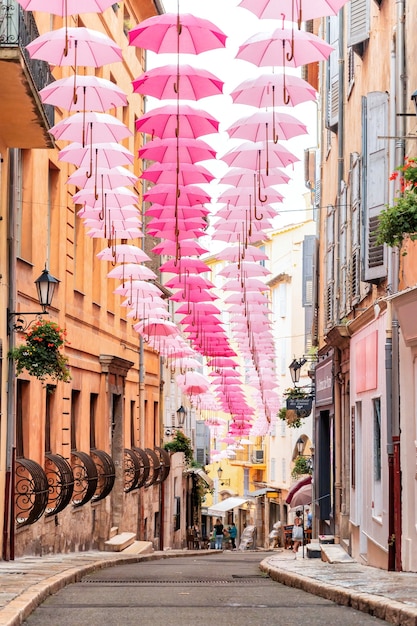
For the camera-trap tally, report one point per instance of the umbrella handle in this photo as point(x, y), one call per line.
point(290, 54)
point(274, 133)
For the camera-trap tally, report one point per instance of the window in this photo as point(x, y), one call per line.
point(49, 403)
point(355, 216)
point(359, 24)
point(377, 439)
point(75, 402)
point(93, 412)
point(330, 242)
point(22, 404)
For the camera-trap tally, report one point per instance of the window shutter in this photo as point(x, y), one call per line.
point(375, 177)
point(343, 255)
point(333, 73)
point(329, 304)
point(355, 203)
point(359, 22)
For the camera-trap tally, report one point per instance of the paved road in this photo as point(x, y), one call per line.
point(226, 589)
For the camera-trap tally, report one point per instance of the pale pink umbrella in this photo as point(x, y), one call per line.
point(172, 32)
point(186, 363)
point(265, 125)
point(123, 253)
point(91, 127)
point(187, 195)
point(83, 93)
point(249, 284)
point(75, 46)
point(273, 90)
point(131, 271)
point(133, 222)
point(250, 296)
point(284, 47)
point(168, 211)
point(240, 213)
point(294, 10)
point(146, 309)
point(101, 154)
point(237, 237)
point(105, 177)
point(197, 294)
point(237, 226)
point(193, 379)
point(186, 248)
point(184, 264)
point(66, 7)
point(172, 81)
point(156, 327)
point(119, 197)
point(121, 233)
point(172, 234)
point(190, 280)
point(122, 213)
point(189, 173)
point(235, 253)
point(249, 155)
point(169, 149)
point(219, 362)
point(171, 119)
point(241, 195)
point(242, 177)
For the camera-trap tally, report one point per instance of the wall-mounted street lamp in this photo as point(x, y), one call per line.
point(295, 369)
point(226, 481)
point(45, 286)
point(181, 413)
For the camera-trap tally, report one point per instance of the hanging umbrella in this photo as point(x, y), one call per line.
point(187, 195)
point(165, 121)
point(294, 10)
point(194, 379)
point(131, 271)
point(233, 212)
point(253, 155)
point(241, 177)
point(169, 211)
point(171, 32)
point(123, 253)
point(189, 173)
point(101, 154)
point(156, 327)
point(196, 294)
point(66, 7)
point(75, 46)
point(91, 127)
point(284, 47)
point(186, 248)
point(265, 125)
point(122, 233)
point(184, 264)
point(241, 195)
point(83, 93)
point(191, 280)
point(116, 198)
point(172, 81)
point(249, 284)
point(169, 149)
point(124, 213)
point(109, 178)
point(270, 90)
point(170, 224)
point(234, 254)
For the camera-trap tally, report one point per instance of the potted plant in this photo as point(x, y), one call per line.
point(180, 443)
point(40, 353)
point(399, 221)
point(288, 415)
point(302, 465)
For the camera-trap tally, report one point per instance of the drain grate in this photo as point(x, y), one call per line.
point(236, 580)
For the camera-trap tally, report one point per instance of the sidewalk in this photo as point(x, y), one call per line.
point(391, 596)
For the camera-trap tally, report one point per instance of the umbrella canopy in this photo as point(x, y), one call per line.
point(177, 249)
point(189, 174)
point(242, 177)
point(116, 198)
point(193, 380)
point(184, 265)
point(187, 195)
point(91, 128)
point(253, 155)
point(306, 481)
point(171, 32)
point(167, 150)
point(106, 154)
point(123, 253)
point(75, 46)
point(273, 90)
point(108, 178)
point(66, 7)
point(131, 271)
point(83, 93)
point(260, 125)
point(235, 253)
point(156, 327)
point(171, 81)
point(294, 10)
point(163, 122)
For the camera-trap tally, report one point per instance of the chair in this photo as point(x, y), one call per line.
point(288, 536)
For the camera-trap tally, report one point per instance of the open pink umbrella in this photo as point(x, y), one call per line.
point(172, 32)
point(100, 154)
point(91, 127)
point(172, 81)
point(240, 196)
point(119, 197)
point(83, 93)
point(131, 271)
point(169, 120)
point(265, 125)
point(258, 155)
point(75, 46)
point(242, 177)
point(187, 195)
point(156, 327)
point(294, 10)
point(189, 173)
point(168, 211)
point(66, 7)
point(167, 150)
point(109, 178)
point(193, 294)
point(123, 253)
point(273, 90)
point(232, 212)
point(184, 265)
point(234, 254)
point(123, 213)
point(189, 280)
point(122, 233)
point(247, 284)
point(168, 224)
point(186, 248)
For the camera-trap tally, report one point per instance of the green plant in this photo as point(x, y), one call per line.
point(180, 443)
point(295, 393)
point(40, 354)
point(302, 465)
point(400, 220)
point(287, 415)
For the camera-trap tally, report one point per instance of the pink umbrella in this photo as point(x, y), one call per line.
point(83, 93)
point(197, 294)
point(185, 195)
point(241, 195)
point(123, 253)
point(66, 7)
point(273, 90)
point(116, 198)
point(237, 237)
point(112, 235)
point(249, 155)
point(189, 174)
point(184, 265)
point(156, 327)
point(190, 280)
point(91, 127)
point(241, 177)
point(109, 178)
point(172, 234)
point(170, 224)
point(284, 47)
point(167, 150)
point(131, 271)
point(171, 81)
point(177, 33)
point(247, 284)
point(168, 211)
point(168, 120)
point(241, 212)
point(265, 125)
point(101, 154)
point(75, 46)
point(111, 214)
point(186, 248)
point(203, 307)
point(292, 9)
point(235, 254)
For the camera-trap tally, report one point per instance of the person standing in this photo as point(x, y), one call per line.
point(297, 535)
point(233, 534)
point(309, 515)
point(218, 529)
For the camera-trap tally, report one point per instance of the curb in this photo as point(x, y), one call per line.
point(385, 609)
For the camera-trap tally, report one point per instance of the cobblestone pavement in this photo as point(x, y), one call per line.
point(392, 596)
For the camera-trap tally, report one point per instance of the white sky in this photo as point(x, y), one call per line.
point(239, 25)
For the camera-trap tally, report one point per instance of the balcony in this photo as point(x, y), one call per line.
point(24, 120)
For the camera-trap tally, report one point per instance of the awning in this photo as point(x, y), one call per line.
point(201, 474)
point(221, 508)
point(297, 487)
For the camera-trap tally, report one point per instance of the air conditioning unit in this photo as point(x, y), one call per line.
point(258, 456)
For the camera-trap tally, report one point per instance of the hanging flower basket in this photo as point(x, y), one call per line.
point(293, 420)
point(40, 354)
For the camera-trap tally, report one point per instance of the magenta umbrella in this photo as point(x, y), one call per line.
point(91, 127)
point(172, 32)
point(242, 177)
point(265, 125)
point(101, 154)
point(187, 195)
point(171, 81)
point(186, 248)
point(184, 265)
point(83, 93)
point(284, 47)
point(189, 280)
point(197, 294)
point(75, 46)
point(66, 7)
point(167, 150)
point(273, 90)
point(172, 234)
point(169, 120)
point(189, 173)
point(172, 224)
point(123, 253)
point(294, 10)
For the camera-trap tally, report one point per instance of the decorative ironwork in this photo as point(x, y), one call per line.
point(164, 463)
point(131, 467)
point(61, 483)
point(85, 477)
point(155, 468)
point(106, 473)
point(18, 29)
point(31, 492)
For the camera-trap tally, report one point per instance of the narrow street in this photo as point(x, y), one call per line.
point(223, 589)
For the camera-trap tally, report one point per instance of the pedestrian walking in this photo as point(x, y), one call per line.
point(297, 535)
point(218, 529)
point(233, 534)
